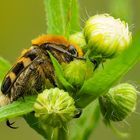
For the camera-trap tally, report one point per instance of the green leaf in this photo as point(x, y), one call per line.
point(62, 82)
point(105, 78)
point(48, 132)
point(4, 67)
point(62, 16)
point(34, 123)
point(85, 125)
point(17, 108)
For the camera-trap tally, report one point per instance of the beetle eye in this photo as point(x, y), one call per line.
point(72, 50)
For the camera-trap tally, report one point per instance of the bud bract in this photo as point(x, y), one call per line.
point(77, 71)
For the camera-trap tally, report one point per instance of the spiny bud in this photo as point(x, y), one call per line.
point(106, 35)
point(77, 71)
point(54, 107)
point(79, 39)
point(119, 102)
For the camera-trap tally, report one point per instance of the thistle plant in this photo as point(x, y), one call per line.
point(71, 110)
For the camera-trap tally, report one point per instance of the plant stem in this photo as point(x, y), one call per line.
point(62, 134)
point(62, 17)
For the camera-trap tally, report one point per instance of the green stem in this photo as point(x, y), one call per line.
point(62, 17)
point(62, 134)
point(33, 122)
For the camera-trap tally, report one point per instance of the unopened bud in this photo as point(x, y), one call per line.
point(54, 107)
point(77, 71)
point(107, 36)
point(119, 102)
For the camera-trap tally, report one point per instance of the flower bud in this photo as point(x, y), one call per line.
point(77, 71)
point(106, 35)
point(119, 102)
point(79, 39)
point(54, 107)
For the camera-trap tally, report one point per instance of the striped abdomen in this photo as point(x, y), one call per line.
point(32, 73)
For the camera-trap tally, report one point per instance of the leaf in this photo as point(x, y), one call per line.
point(34, 123)
point(73, 17)
point(59, 74)
point(17, 108)
point(85, 125)
point(62, 16)
point(105, 78)
point(48, 132)
point(4, 67)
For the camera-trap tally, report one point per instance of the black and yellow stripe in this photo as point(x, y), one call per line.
point(22, 63)
point(34, 68)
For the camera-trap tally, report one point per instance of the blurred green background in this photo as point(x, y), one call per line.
point(23, 20)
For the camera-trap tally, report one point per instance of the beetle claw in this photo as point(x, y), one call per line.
point(78, 114)
point(9, 124)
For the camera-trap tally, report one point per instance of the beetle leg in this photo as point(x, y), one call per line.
point(9, 124)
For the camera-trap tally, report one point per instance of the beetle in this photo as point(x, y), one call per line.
point(34, 71)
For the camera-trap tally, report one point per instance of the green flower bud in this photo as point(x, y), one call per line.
point(77, 71)
point(54, 107)
point(106, 35)
point(119, 102)
point(79, 39)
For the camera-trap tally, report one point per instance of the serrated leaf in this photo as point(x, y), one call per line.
point(105, 78)
point(17, 108)
point(62, 16)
